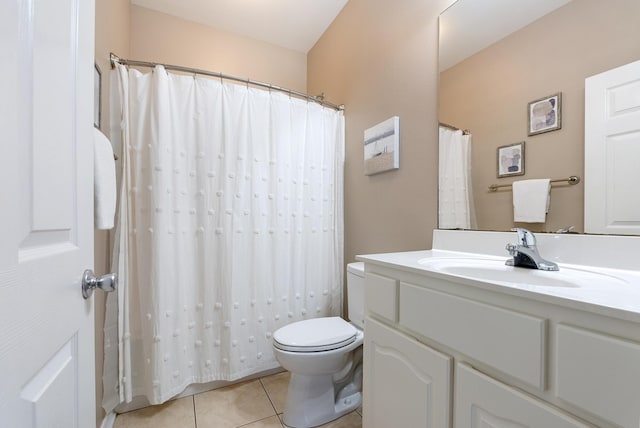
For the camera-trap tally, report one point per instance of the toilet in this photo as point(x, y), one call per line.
point(324, 356)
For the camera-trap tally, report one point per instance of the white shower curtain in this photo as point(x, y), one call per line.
point(455, 195)
point(230, 226)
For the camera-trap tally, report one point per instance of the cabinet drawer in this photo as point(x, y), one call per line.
point(600, 374)
point(381, 295)
point(482, 401)
point(509, 341)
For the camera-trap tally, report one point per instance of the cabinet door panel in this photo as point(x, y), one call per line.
point(484, 402)
point(600, 374)
point(406, 384)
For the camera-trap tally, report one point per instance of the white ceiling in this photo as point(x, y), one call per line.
point(293, 24)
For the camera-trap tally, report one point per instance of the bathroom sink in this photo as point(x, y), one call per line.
point(495, 271)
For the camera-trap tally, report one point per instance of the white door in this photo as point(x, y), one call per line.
point(612, 151)
point(46, 213)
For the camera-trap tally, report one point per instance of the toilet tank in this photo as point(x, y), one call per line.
point(355, 293)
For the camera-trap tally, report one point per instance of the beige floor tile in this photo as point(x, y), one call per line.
point(272, 422)
point(276, 386)
point(233, 406)
point(172, 414)
point(350, 420)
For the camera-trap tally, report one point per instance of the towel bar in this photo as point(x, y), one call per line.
point(574, 179)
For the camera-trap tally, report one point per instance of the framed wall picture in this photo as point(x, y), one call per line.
point(545, 114)
point(511, 160)
point(97, 92)
point(381, 145)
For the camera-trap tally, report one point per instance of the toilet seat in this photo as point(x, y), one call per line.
point(315, 335)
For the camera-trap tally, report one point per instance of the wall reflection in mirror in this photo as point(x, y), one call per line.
point(496, 58)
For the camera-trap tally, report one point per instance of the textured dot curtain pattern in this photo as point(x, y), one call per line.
point(456, 209)
point(230, 226)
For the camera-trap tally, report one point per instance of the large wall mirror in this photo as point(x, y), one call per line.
point(497, 57)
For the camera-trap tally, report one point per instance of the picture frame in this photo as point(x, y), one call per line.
point(381, 147)
point(97, 96)
point(544, 114)
point(510, 160)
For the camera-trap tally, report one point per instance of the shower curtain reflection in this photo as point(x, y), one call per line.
point(230, 226)
point(455, 194)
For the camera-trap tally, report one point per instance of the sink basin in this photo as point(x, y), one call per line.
point(495, 271)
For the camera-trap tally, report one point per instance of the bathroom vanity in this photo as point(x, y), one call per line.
point(453, 338)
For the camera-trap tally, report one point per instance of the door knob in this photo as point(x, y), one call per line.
point(107, 282)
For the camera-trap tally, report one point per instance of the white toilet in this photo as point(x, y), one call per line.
point(324, 356)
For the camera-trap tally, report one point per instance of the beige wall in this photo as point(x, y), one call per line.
point(488, 94)
point(158, 37)
point(112, 35)
point(379, 58)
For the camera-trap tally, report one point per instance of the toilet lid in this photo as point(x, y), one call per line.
point(315, 335)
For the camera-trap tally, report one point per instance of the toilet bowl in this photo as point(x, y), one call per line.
point(324, 356)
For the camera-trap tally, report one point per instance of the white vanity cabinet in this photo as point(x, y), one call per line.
point(408, 383)
point(447, 353)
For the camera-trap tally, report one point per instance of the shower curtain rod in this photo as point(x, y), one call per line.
point(454, 128)
point(316, 99)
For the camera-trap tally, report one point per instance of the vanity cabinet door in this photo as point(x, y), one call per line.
point(406, 384)
point(599, 374)
point(481, 401)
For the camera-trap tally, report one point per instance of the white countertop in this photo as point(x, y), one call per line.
point(615, 293)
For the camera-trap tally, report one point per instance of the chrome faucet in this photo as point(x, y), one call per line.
point(525, 253)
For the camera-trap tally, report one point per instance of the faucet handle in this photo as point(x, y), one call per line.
point(512, 249)
point(526, 237)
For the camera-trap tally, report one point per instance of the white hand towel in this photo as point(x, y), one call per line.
point(104, 182)
point(531, 200)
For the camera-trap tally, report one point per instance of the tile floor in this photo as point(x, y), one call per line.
point(257, 403)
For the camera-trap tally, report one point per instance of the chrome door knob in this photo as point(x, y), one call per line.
point(107, 282)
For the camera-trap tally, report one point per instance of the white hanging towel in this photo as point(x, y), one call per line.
point(104, 182)
point(531, 200)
